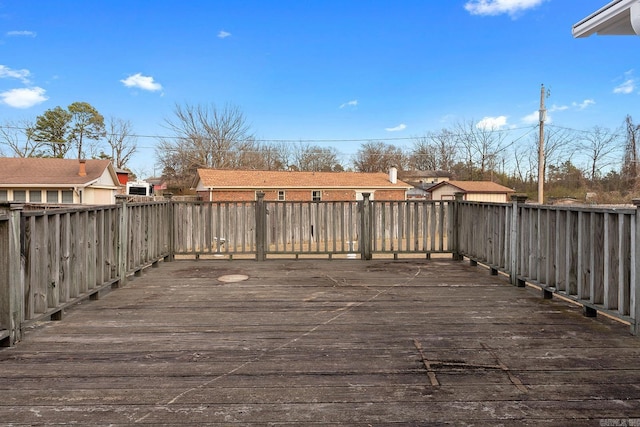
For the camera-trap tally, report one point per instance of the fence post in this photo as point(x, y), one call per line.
point(635, 273)
point(261, 227)
point(11, 294)
point(365, 228)
point(458, 197)
point(514, 240)
point(123, 244)
point(171, 226)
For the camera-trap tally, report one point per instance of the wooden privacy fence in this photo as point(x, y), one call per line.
point(589, 255)
point(213, 228)
point(359, 228)
point(50, 259)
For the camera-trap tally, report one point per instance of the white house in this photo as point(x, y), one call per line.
point(56, 181)
point(475, 191)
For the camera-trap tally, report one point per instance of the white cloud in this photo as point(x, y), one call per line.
point(584, 104)
point(23, 98)
point(534, 117)
point(625, 88)
point(531, 118)
point(22, 75)
point(555, 108)
point(353, 103)
point(498, 7)
point(398, 128)
point(223, 34)
point(142, 82)
point(492, 123)
point(21, 33)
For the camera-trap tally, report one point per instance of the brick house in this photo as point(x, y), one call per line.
point(476, 191)
point(242, 185)
point(58, 181)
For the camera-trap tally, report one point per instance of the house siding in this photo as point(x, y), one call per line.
point(298, 195)
point(30, 195)
point(96, 196)
point(447, 192)
point(491, 198)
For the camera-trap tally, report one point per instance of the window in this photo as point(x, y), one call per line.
point(316, 195)
point(35, 196)
point(3, 196)
point(52, 196)
point(281, 195)
point(19, 196)
point(67, 196)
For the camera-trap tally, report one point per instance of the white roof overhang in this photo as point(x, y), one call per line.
point(620, 17)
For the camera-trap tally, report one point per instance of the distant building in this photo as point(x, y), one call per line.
point(242, 185)
point(159, 185)
point(123, 176)
point(139, 188)
point(422, 181)
point(476, 191)
point(58, 181)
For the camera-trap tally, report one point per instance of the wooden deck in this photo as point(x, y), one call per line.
point(344, 342)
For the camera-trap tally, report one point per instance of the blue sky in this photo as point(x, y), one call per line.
point(328, 72)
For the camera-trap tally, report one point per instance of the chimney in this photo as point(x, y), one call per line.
point(83, 168)
point(393, 175)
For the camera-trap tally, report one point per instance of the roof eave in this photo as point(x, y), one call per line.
point(620, 17)
point(309, 187)
point(55, 185)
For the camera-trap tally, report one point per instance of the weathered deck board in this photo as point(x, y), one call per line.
point(325, 342)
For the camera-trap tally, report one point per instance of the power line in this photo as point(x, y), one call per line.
point(300, 140)
point(618, 134)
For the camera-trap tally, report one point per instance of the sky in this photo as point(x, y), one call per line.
point(324, 72)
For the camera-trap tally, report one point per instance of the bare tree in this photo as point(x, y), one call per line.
point(121, 141)
point(525, 160)
point(279, 156)
point(204, 136)
point(559, 148)
point(18, 137)
point(423, 155)
point(630, 158)
point(559, 145)
point(376, 156)
point(599, 146)
point(262, 156)
point(178, 164)
point(314, 158)
point(482, 147)
point(434, 151)
point(211, 137)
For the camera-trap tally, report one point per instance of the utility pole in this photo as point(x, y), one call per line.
point(543, 117)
